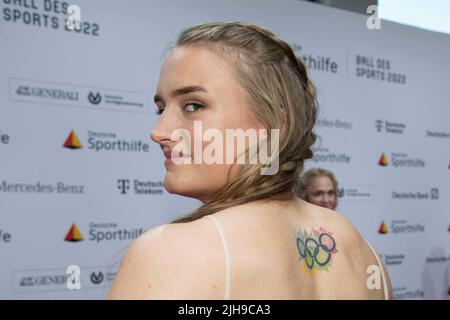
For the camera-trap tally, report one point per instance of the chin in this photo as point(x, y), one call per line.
point(174, 184)
point(186, 189)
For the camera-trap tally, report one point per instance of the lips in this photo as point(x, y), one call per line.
point(179, 158)
point(168, 154)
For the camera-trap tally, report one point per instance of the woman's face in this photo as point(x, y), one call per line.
point(322, 192)
point(196, 85)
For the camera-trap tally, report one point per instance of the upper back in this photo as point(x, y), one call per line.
point(295, 250)
point(262, 250)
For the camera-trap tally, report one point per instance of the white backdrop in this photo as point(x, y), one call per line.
point(384, 99)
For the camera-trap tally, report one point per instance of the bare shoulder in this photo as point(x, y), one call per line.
point(172, 261)
point(330, 234)
point(354, 261)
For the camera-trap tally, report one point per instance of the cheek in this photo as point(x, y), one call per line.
point(199, 179)
point(195, 180)
point(214, 175)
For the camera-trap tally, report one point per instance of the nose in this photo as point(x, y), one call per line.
point(163, 129)
point(158, 134)
point(326, 199)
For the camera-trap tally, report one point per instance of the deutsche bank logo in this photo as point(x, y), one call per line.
point(434, 193)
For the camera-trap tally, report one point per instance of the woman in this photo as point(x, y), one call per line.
point(251, 238)
point(318, 186)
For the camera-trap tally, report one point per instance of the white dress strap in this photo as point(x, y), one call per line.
point(227, 256)
point(383, 276)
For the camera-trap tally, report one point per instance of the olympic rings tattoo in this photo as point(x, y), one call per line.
point(316, 248)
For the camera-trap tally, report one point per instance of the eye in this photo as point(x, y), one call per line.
point(193, 107)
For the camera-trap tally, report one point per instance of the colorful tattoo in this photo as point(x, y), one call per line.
point(316, 249)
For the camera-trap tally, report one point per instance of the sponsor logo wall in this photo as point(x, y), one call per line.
point(80, 178)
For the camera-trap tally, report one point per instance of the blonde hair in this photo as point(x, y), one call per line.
point(305, 182)
point(281, 96)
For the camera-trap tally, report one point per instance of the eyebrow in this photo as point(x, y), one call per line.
point(181, 91)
